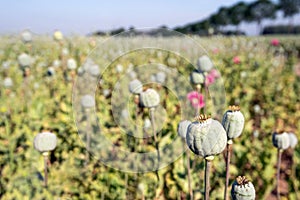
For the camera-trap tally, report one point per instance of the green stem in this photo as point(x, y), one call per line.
point(207, 171)
point(45, 154)
point(155, 139)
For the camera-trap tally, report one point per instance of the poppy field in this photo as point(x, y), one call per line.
point(122, 117)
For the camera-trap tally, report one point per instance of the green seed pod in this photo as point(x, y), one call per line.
point(45, 141)
point(242, 189)
point(7, 82)
point(206, 137)
point(233, 122)
point(293, 140)
point(204, 64)
point(71, 64)
point(87, 101)
point(58, 36)
point(135, 86)
point(24, 60)
point(182, 128)
point(26, 36)
point(160, 77)
point(149, 98)
point(281, 140)
point(197, 78)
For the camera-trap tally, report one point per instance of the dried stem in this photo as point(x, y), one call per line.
point(228, 154)
point(279, 153)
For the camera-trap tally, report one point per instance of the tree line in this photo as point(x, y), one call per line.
point(234, 15)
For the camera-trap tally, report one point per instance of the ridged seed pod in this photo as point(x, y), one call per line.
point(182, 128)
point(206, 137)
point(233, 122)
point(149, 98)
point(204, 64)
point(242, 189)
point(281, 140)
point(45, 141)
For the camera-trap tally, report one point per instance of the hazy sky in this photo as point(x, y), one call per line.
point(85, 16)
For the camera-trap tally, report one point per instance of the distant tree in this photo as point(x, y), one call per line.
point(260, 10)
point(236, 13)
point(289, 8)
point(221, 18)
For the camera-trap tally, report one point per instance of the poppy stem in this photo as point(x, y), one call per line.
point(228, 154)
point(155, 139)
point(45, 154)
point(279, 153)
point(189, 175)
point(207, 172)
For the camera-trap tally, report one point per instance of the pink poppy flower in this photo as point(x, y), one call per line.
point(196, 99)
point(236, 60)
point(214, 73)
point(209, 79)
point(216, 51)
point(275, 42)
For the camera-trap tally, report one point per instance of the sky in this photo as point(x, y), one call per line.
point(86, 16)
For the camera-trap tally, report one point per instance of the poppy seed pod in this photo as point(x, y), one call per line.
point(71, 64)
point(204, 64)
point(149, 98)
point(24, 60)
point(281, 140)
point(87, 101)
point(94, 70)
point(206, 137)
point(7, 82)
point(293, 140)
point(197, 78)
point(50, 71)
point(233, 122)
point(26, 36)
point(182, 128)
point(160, 77)
point(242, 189)
point(58, 36)
point(135, 86)
point(45, 141)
